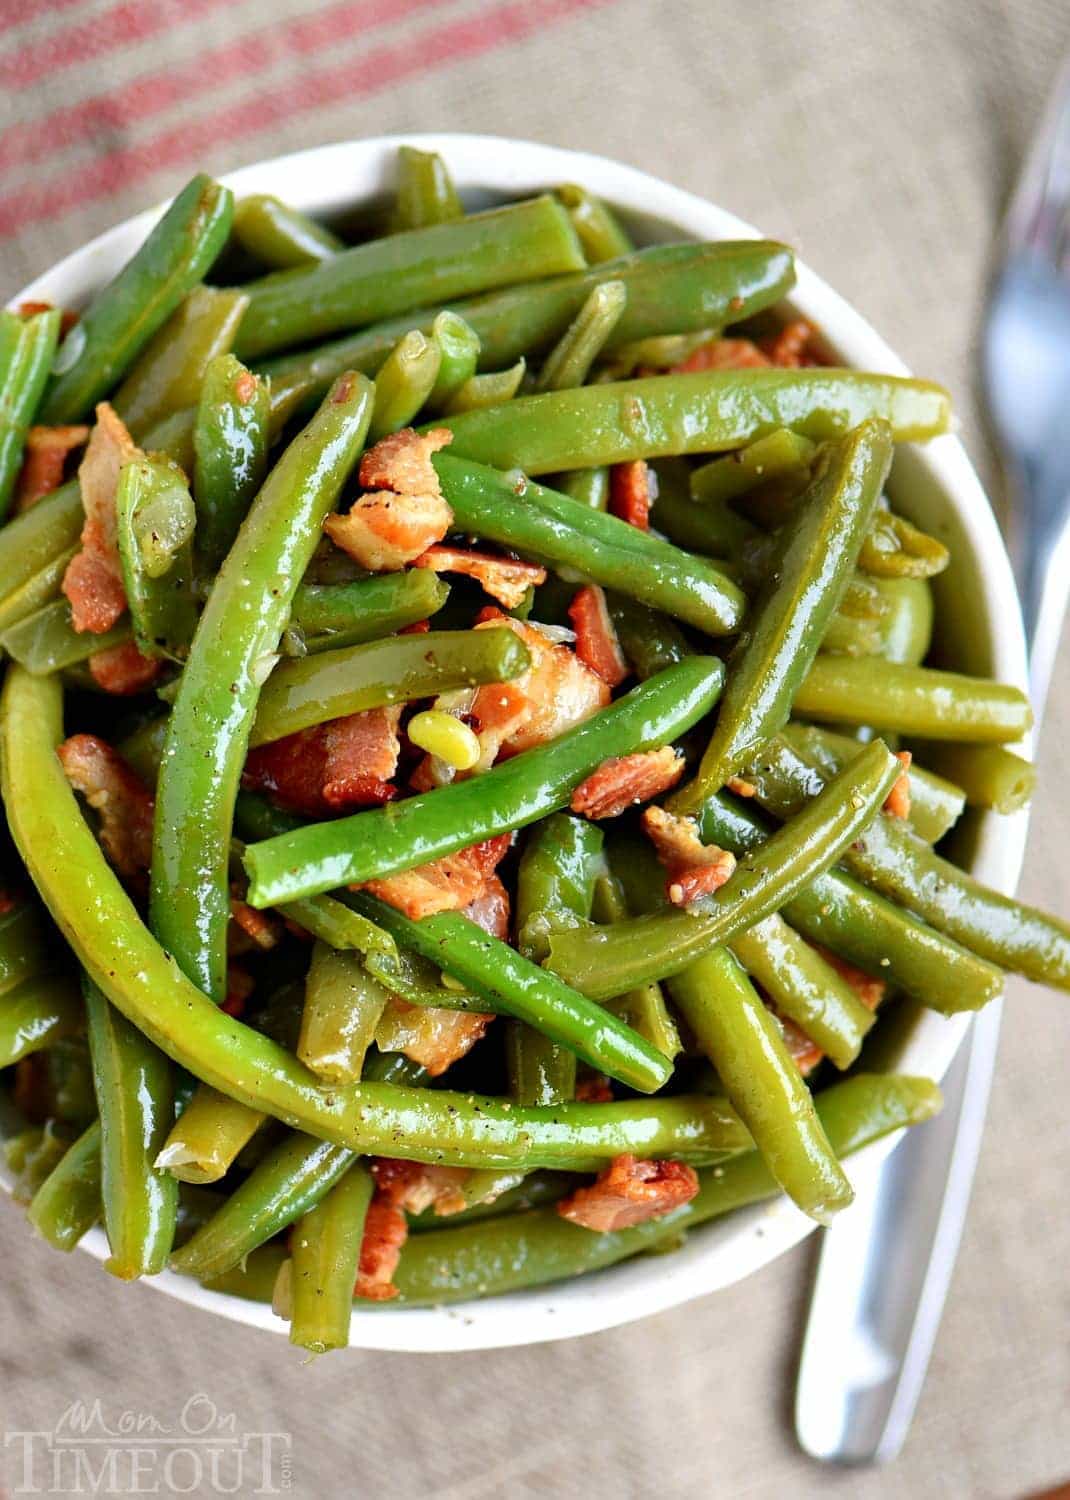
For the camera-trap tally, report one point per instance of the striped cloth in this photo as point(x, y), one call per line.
point(881, 140)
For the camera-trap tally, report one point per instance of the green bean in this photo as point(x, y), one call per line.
point(514, 986)
point(386, 277)
point(702, 413)
point(370, 845)
point(906, 627)
point(490, 1200)
point(281, 236)
point(25, 945)
point(37, 1014)
point(896, 549)
point(569, 362)
point(332, 615)
point(588, 487)
point(103, 927)
point(27, 346)
point(644, 1008)
point(779, 455)
point(601, 233)
point(988, 775)
point(847, 635)
point(168, 374)
point(342, 1009)
point(607, 961)
point(122, 318)
point(539, 522)
point(864, 928)
point(46, 641)
point(425, 191)
point(72, 1098)
point(68, 1203)
point(290, 1180)
point(805, 988)
point(155, 519)
point(403, 383)
point(238, 632)
point(492, 389)
point(396, 670)
point(650, 641)
point(743, 1041)
point(337, 925)
point(913, 700)
point(669, 286)
point(207, 1136)
point(230, 446)
point(715, 530)
point(324, 1255)
point(891, 858)
point(792, 611)
point(41, 589)
point(458, 347)
point(662, 351)
point(935, 804)
point(555, 888)
point(136, 1103)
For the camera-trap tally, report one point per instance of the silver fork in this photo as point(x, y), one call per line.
point(886, 1265)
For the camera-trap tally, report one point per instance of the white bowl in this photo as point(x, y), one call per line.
point(935, 485)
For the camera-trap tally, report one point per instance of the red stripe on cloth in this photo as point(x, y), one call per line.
point(364, 75)
point(153, 93)
point(22, 15)
point(124, 24)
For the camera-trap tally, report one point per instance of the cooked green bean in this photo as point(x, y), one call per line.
point(136, 1103)
point(396, 670)
point(790, 616)
point(896, 549)
point(714, 529)
point(168, 374)
point(38, 1013)
point(341, 1011)
point(207, 1136)
point(386, 277)
point(25, 945)
point(588, 487)
point(425, 191)
point(403, 383)
point(913, 700)
point(601, 234)
point(68, 1203)
point(324, 1255)
point(345, 614)
point(650, 641)
point(230, 446)
point(644, 1008)
point(46, 641)
point(370, 845)
point(35, 539)
point(155, 520)
point(281, 236)
point(36, 592)
point(231, 654)
point(563, 532)
point(458, 356)
point(780, 455)
point(122, 318)
point(988, 775)
point(491, 389)
point(704, 413)
point(569, 362)
point(27, 346)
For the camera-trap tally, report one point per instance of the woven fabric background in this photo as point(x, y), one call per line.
point(880, 139)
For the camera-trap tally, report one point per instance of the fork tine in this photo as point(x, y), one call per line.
point(1039, 210)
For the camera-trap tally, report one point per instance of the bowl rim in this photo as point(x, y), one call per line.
point(331, 178)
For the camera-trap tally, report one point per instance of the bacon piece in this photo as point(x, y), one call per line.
point(67, 318)
point(346, 762)
point(805, 1054)
point(740, 787)
point(122, 802)
point(632, 492)
point(897, 802)
point(559, 690)
point(404, 512)
point(789, 348)
point(43, 460)
point(123, 671)
point(447, 884)
point(597, 645)
point(414, 1186)
point(385, 1231)
point(594, 1089)
point(723, 354)
point(429, 1034)
point(624, 780)
point(870, 991)
point(694, 868)
point(240, 986)
point(8, 902)
point(490, 909)
point(93, 581)
point(630, 1192)
point(258, 929)
point(503, 578)
point(418, 627)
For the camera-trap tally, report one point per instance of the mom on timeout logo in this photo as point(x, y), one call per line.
point(200, 1450)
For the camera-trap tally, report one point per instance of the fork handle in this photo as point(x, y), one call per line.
point(1042, 565)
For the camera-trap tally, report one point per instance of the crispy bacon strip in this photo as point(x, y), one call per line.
point(67, 318)
point(120, 799)
point(805, 1054)
point(723, 354)
point(123, 671)
point(694, 868)
point(8, 902)
point(503, 578)
point(257, 929)
point(594, 1089)
point(404, 512)
point(93, 581)
point(740, 787)
point(346, 762)
point(385, 1231)
point(429, 1034)
point(490, 909)
point(43, 460)
point(560, 692)
point(897, 802)
point(790, 346)
point(630, 1192)
point(622, 781)
point(869, 990)
point(632, 492)
point(597, 645)
point(240, 986)
point(415, 1187)
point(447, 884)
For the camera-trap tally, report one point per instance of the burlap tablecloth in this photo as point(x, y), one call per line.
point(880, 140)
